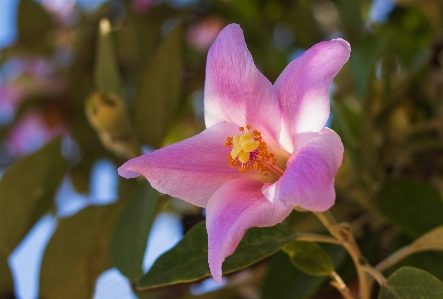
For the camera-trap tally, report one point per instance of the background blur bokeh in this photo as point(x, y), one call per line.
point(87, 84)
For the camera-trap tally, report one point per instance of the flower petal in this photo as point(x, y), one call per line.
point(303, 90)
point(308, 180)
point(235, 90)
point(191, 169)
point(234, 208)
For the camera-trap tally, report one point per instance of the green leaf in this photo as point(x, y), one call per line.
point(132, 230)
point(363, 60)
point(6, 282)
point(432, 240)
point(284, 281)
point(27, 191)
point(416, 207)
point(306, 29)
point(78, 252)
point(188, 260)
point(351, 16)
point(34, 25)
point(106, 74)
point(408, 41)
point(159, 90)
point(346, 123)
point(80, 174)
point(309, 257)
point(411, 283)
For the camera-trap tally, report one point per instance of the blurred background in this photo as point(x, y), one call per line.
point(87, 84)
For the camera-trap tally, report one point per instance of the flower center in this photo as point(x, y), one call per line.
point(250, 151)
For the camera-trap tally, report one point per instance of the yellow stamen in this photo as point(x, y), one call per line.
point(250, 151)
point(243, 157)
point(250, 145)
point(235, 151)
point(245, 136)
point(236, 139)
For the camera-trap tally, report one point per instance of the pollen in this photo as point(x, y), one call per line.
point(249, 151)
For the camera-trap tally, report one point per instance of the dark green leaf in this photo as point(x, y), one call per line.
point(416, 207)
point(406, 40)
point(309, 257)
point(307, 32)
point(6, 282)
point(159, 90)
point(34, 25)
point(63, 256)
point(132, 230)
point(284, 281)
point(363, 60)
point(411, 283)
point(428, 261)
point(351, 15)
point(80, 174)
point(106, 74)
point(188, 260)
point(78, 252)
point(26, 192)
point(346, 122)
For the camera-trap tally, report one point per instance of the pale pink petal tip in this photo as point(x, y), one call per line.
point(345, 46)
point(126, 173)
point(217, 274)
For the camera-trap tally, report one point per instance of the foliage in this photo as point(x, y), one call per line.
point(124, 77)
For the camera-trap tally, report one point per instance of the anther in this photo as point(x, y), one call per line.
point(249, 151)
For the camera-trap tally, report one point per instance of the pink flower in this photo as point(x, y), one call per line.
point(280, 155)
point(32, 131)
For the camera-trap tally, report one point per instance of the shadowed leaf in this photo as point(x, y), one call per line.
point(132, 230)
point(309, 257)
point(401, 200)
point(411, 283)
point(159, 90)
point(6, 282)
point(34, 25)
point(188, 260)
point(27, 192)
point(78, 253)
point(106, 74)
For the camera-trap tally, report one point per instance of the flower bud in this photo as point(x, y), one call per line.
point(107, 114)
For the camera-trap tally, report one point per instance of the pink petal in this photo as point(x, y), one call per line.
point(235, 90)
point(303, 90)
point(192, 169)
point(234, 208)
point(308, 180)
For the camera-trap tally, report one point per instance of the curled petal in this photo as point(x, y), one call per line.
point(235, 90)
point(234, 208)
point(308, 180)
point(303, 91)
point(191, 169)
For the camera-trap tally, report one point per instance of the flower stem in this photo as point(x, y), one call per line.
point(343, 233)
point(397, 256)
point(317, 238)
point(340, 286)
